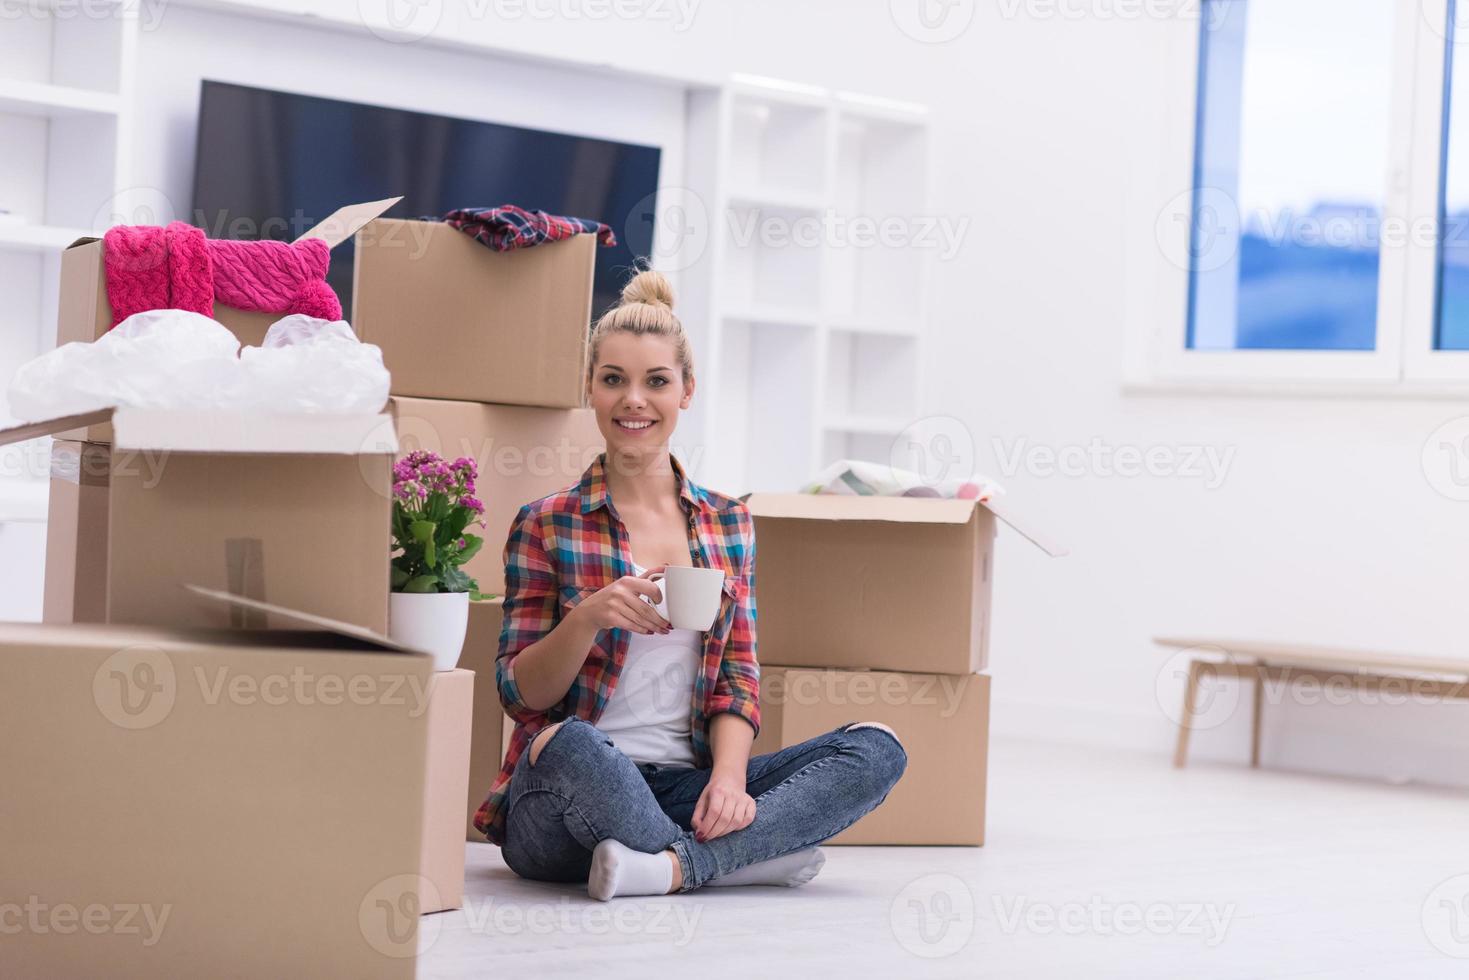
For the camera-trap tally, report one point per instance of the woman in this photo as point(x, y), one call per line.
point(630, 766)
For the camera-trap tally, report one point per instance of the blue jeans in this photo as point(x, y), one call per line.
point(582, 790)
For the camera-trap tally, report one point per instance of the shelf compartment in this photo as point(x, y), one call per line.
point(765, 417)
point(870, 376)
point(57, 61)
point(881, 166)
point(777, 146)
point(765, 267)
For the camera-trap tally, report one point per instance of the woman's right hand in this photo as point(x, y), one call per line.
point(620, 606)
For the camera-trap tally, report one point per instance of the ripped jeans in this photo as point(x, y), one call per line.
point(582, 790)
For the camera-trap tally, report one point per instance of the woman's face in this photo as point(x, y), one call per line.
point(637, 391)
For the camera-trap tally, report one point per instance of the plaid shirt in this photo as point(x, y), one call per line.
point(566, 546)
point(509, 227)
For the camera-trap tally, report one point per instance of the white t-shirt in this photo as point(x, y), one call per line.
point(650, 710)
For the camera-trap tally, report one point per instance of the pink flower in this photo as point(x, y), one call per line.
point(421, 473)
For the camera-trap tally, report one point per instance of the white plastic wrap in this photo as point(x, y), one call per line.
point(856, 477)
point(160, 359)
point(174, 359)
point(311, 365)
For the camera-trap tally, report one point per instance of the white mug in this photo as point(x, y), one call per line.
point(690, 596)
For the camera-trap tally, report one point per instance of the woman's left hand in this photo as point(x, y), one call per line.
point(724, 806)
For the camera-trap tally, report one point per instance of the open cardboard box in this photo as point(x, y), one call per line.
point(517, 321)
point(889, 583)
point(293, 509)
point(243, 801)
point(84, 313)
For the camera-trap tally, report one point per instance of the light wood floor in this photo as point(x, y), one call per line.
point(1097, 865)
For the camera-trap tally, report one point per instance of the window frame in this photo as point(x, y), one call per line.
point(1421, 360)
point(1404, 359)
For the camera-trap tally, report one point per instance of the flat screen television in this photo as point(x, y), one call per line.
point(271, 164)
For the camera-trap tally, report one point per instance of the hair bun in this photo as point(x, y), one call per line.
point(648, 287)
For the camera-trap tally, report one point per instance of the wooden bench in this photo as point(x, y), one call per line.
point(1433, 677)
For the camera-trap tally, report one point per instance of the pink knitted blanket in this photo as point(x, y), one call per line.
point(152, 268)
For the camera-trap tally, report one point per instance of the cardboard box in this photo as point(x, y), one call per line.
point(942, 721)
point(487, 749)
point(892, 583)
point(451, 707)
point(290, 509)
point(516, 322)
point(185, 803)
point(76, 535)
point(523, 454)
point(84, 313)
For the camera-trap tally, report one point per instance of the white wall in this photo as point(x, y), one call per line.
point(1324, 530)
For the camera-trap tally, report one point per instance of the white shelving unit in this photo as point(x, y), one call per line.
point(65, 87)
point(810, 334)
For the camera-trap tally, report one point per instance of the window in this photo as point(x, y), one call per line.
point(1292, 147)
point(1323, 232)
point(1452, 327)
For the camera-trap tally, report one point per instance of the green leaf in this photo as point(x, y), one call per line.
point(455, 580)
point(472, 544)
point(423, 533)
point(456, 522)
point(398, 578)
point(424, 583)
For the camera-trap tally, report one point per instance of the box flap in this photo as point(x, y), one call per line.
point(1005, 511)
point(246, 432)
point(334, 229)
point(345, 222)
point(902, 510)
point(304, 618)
point(839, 507)
point(21, 431)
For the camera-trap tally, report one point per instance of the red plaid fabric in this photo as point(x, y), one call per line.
point(568, 545)
point(509, 227)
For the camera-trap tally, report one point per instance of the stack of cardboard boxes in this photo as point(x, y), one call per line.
point(206, 779)
point(488, 353)
point(878, 609)
point(256, 777)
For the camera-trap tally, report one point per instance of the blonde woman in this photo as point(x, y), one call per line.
point(630, 766)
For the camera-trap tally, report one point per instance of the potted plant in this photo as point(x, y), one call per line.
point(433, 507)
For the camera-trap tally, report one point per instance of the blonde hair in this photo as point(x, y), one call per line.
point(646, 307)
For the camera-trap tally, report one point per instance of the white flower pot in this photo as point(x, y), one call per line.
point(434, 622)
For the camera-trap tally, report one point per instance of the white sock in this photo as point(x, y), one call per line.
point(789, 870)
point(620, 870)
